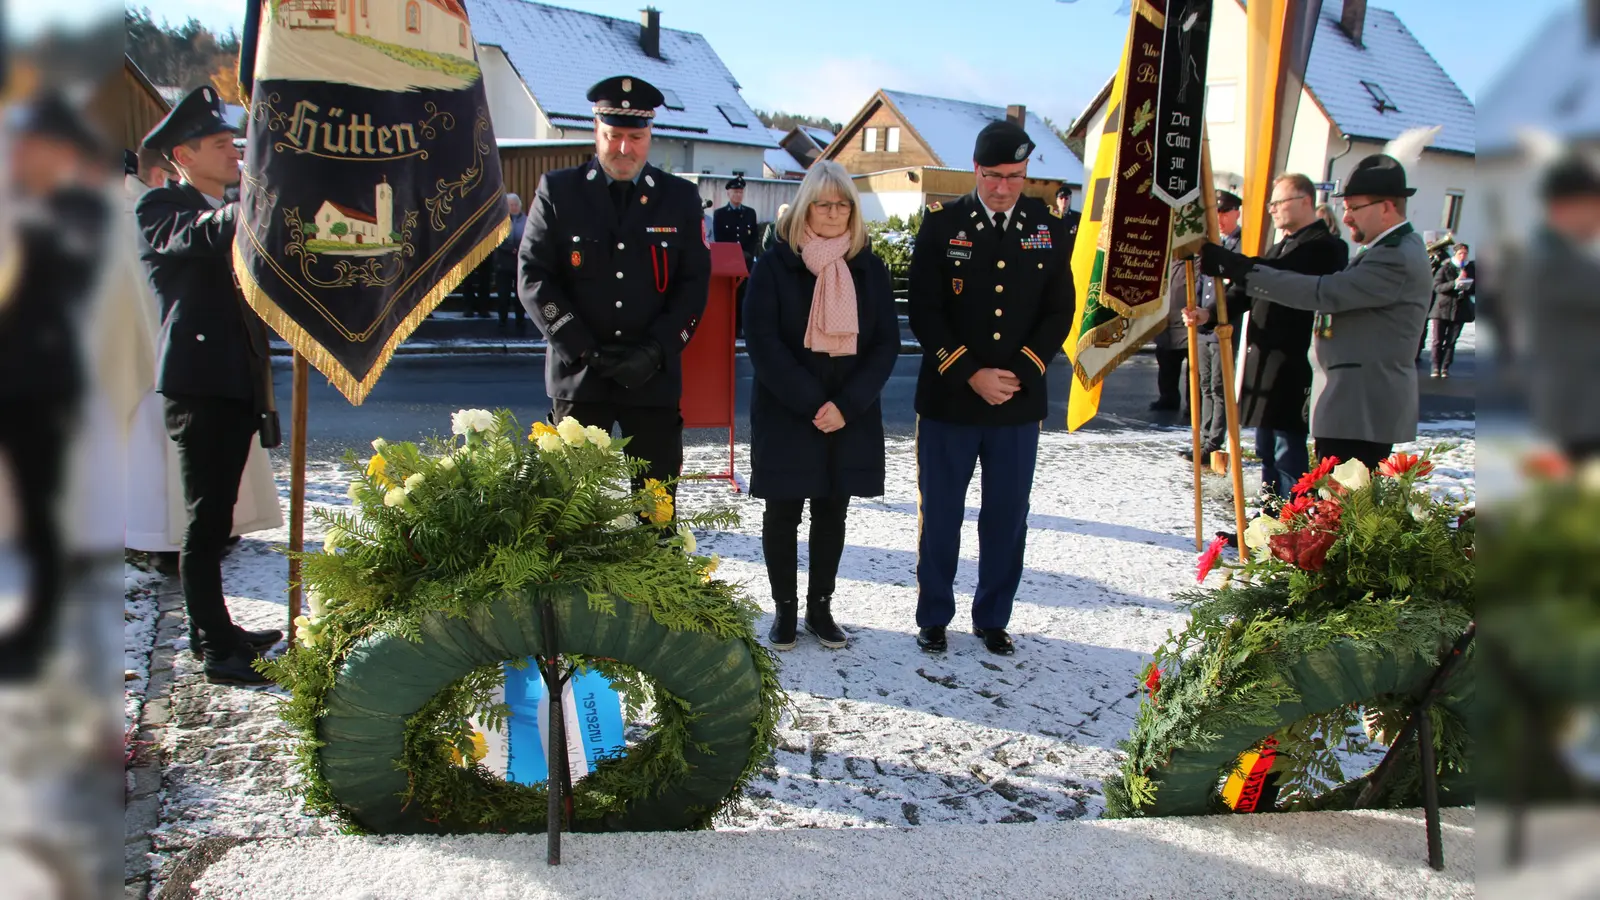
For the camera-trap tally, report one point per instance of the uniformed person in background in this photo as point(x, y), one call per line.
point(1070, 216)
point(735, 223)
point(614, 271)
point(991, 300)
point(211, 362)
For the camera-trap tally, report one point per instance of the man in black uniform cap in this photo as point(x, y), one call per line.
point(614, 270)
point(991, 302)
point(736, 224)
point(212, 361)
point(1070, 216)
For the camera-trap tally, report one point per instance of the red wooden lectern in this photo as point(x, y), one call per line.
point(708, 360)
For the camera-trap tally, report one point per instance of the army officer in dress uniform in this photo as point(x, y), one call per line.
point(614, 270)
point(991, 302)
point(212, 355)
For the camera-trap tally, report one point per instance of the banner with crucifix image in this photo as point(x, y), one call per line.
point(371, 181)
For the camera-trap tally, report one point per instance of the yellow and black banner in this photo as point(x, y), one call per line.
point(372, 180)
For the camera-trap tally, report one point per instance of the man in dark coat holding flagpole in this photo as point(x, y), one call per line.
point(211, 356)
point(614, 270)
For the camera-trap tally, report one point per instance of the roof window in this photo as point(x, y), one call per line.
point(732, 115)
point(1380, 98)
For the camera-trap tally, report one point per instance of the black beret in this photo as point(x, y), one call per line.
point(197, 115)
point(737, 184)
point(625, 101)
point(1000, 143)
point(1228, 201)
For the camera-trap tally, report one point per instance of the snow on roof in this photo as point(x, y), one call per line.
point(1549, 87)
point(560, 53)
point(781, 160)
point(1420, 94)
point(949, 128)
point(822, 136)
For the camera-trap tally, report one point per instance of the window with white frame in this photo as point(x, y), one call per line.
point(1221, 99)
point(869, 140)
point(1451, 220)
point(892, 141)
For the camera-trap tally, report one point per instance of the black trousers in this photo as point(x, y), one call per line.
point(33, 440)
point(1169, 368)
point(505, 288)
point(656, 432)
point(1366, 451)
point(476, 286)
point(780, 545)
point(213, 435)
point(1445, 335)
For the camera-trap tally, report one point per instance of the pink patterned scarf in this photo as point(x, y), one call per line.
point(833, 326)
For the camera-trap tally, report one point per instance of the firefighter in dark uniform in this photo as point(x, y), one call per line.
point(735, 223)
point(614, 271)
point(212, 359)
point(991, 301)
point(1068, 215)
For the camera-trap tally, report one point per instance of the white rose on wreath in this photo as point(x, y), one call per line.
point(413, 481)
point(471, 421)
point(571, 431)
point(550, 442)
point(1352, 475)
point(395, 497)
point(598, 437)
point(689, 543)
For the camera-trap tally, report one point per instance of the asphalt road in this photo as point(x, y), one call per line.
point(418, 393)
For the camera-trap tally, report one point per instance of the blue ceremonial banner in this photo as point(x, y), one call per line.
point(372, 180)
point(593, 712)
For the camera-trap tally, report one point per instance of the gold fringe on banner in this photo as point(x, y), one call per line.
point(10, 267)
point(304, 344)
point(1105, 332)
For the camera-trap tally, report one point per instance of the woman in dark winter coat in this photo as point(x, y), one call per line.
point(1453, 286)
point(822, 335)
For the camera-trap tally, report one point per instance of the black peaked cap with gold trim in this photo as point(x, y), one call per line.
point(624, 101)
point(197, 115)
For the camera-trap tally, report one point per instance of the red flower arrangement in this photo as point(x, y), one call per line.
point(1306, 548)
point(1152, 682)
point(1402, 463)
point(1311, 480)
point(1299, 506)
point(1208, 559)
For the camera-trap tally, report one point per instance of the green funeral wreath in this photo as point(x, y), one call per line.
point(1339, 612)
point(437, 575)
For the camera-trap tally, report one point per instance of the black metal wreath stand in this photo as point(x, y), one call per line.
point(559, 780)
point(1421, 724)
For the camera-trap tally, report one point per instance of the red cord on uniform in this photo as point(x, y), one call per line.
point(660, 268)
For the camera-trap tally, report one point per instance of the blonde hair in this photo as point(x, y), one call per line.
point(823, 176)
point(1325, 213)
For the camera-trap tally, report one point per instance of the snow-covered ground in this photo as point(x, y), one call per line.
point(882, 734)
point(138, 637)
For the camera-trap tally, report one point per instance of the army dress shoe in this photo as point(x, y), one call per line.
point(996, 640)
point(236, 668)
point(931, 639)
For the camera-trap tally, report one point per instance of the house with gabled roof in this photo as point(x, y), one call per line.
point(779, 162)
point(907, 150)
point(539, 61)
point(1368, 81)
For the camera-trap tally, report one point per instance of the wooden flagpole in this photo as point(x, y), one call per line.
point(297, 484)
point(1194, 405)
point(1224, 332)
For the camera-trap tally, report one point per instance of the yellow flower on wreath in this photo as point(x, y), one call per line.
point(539, 428)
point(658, 501)
point(376, 470)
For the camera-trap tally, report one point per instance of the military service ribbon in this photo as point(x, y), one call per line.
point(372, 179)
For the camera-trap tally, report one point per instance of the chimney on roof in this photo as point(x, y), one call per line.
point(1354, 20)
point(650, 32)
point(1017, 114)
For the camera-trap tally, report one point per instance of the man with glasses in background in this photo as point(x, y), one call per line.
point(991, 300)
point(1364, 397)
point(1277, 370)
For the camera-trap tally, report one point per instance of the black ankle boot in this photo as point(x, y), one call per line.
point(781, 637)
point(819, 621)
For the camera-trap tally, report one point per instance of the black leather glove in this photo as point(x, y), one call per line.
point(1216, 259)
point(635, 365)
point(604, 360)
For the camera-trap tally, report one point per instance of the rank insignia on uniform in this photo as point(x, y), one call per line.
point(935, 206)
point(956, 285)
point(577, 259)
point(1055, 212)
